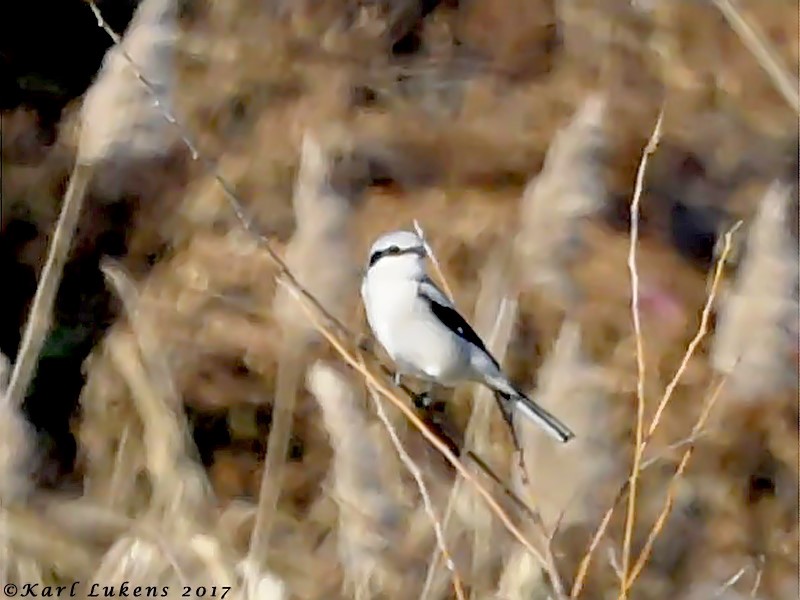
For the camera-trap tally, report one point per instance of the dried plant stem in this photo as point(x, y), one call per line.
point(672, 489)
point(227, 188)
point(631, 576)
point(497, 340)
point(436, 266)
point(40, 316)
point(731, 581)
point(142, 364)
point(652, 144)
point(759, 574)
point(284, 273)
point(702, 330)
point(31, 534)
point(583, 568)
point(441, 447)
point(423, 491)
point(289, 374)
point(759, 47)
point(158, 103)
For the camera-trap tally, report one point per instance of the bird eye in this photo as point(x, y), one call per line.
point(391, 250)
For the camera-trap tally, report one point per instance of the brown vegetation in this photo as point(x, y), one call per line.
point(512, 132)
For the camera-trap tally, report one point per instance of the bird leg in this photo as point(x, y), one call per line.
point(365, 343)
point(425, 399)
point(421, 401)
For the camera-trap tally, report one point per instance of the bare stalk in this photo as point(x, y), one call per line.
point(672, 490)
point(436, 266)
point(652, 144)
point(759, 47)
point(630, 576)
point(702, 330)
point(41, 313)
point(583, 568)
point(423, 491)
point(430, 436)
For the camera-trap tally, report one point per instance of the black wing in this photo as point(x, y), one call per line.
point(448, 315)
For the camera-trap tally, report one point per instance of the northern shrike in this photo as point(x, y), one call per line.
point(425, 335)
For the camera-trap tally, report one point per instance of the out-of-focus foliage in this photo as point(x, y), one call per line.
point(483, 121)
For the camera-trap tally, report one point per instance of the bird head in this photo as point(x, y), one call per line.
point(398, 251)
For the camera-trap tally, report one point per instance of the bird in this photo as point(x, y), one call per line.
point(426, 337)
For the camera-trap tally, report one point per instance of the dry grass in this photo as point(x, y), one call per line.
point(510, 150)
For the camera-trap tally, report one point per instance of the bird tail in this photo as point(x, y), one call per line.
point(513, 399)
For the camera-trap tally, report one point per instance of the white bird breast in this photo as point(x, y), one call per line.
point(413, 337)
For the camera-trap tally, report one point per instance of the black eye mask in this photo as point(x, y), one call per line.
point(396, 251)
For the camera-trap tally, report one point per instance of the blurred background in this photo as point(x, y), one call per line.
point(187, 422)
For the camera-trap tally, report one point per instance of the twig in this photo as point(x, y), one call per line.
point(436, 266)
point(235, 203)
point(731, 581)
point(702, 330)
point(497, 341)
point(759, 47)
point(423, 491)
point(672, 489)
point(386, 392)
point(759, 574)
point(509, 493)
point(178, 481)
point(285, 277)
point(40, 316)
point(584, 565)
point(728, 244)
point(233, 199)
point(690, 439)
point(640, 361)
point(157, 101)
point(290, 369)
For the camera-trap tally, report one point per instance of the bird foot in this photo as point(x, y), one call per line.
point(423, 400)
point(365, 344)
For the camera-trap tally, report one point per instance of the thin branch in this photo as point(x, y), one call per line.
point(509, 493)
point(423, 491)
point(640, 361)
point(760, 48)
point(702, 330)
point(235, 203)
point(290, 369)
point(230, 194)
point(672, 490)
point(40, 316)
point(315, 310)
point(708, 405)
point(690, 439)
point(583, 568)
point(436, 266)
point(759, 574)
point(731, 581)
point(386, 392)
point(158, 103)
point(584, 565)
